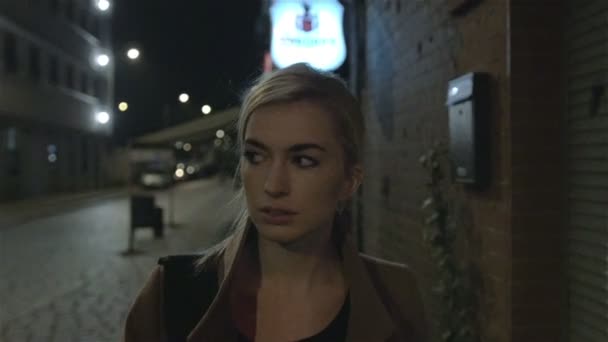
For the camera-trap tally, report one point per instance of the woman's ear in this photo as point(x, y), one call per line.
point(352, 183)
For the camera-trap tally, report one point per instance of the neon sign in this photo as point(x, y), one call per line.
point(308, 31)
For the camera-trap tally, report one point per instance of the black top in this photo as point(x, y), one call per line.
point(187, 294)
point(334, 332)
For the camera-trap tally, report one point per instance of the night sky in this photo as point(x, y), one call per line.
point(209, 49)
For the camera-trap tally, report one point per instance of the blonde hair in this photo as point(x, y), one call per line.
point(302, 82)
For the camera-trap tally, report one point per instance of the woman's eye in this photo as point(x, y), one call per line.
point(305, 162)
point(253, 157)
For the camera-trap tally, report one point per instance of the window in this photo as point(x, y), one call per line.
point(54, 5)
point(84, 82)
point(91, 86)
point(83, 18)
point(11, 139)
point(10, 53)
point(69, 10)
point(69, 76)
point(13, 153)
point(99, 88)
point(34, 67)
point(95, 26)
point(54, 70)
point(84, 155)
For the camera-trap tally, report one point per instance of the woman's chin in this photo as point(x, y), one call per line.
point(282, 234)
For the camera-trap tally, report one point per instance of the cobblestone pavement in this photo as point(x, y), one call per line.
point(64, 278)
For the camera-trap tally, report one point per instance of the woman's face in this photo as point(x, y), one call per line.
point(293, 171)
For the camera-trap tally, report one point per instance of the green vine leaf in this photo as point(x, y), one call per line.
point(423, 160)
point(427, 203)
point(454, 286)
point(432, 219)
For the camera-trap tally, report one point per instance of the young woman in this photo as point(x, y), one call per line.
point(290, 271)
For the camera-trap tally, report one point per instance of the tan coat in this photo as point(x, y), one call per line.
point(385, 302)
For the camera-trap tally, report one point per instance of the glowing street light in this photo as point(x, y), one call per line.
point(103, 5)
point(206, 109)
point(133, 54)
point(187, 147)
point(103, 60)
point(102, 117)
point(123, 106)
point(220, 134)
point(183, 98)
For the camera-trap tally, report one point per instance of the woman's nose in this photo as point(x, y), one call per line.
point(277, 180)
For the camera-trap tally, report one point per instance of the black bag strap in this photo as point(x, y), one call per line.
point(188, 293)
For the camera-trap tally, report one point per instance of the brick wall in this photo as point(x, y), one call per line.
point(413, 48)
point(536, 168)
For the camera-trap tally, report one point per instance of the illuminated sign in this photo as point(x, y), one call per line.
point(308, 31)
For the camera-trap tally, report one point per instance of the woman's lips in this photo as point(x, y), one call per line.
point(277, 216)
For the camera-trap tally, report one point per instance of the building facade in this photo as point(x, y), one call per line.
point(538, 234)
point(51, 90)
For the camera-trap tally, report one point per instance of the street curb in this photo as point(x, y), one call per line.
point(24, 211)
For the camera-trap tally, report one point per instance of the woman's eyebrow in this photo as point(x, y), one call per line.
point(256, 143)
point(293, 148)
point(302, 147)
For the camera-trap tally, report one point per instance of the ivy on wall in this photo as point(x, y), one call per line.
point(455, 285)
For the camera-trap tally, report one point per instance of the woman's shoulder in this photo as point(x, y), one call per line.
point(145, 318)
point(143, 321)
point(391, 274)
point(398, 286)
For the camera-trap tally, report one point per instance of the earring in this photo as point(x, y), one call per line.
point(340, 208)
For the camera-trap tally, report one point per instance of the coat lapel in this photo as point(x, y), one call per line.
point(369, 321)
point(216, 324)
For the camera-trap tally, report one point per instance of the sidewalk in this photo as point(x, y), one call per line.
point(66, 278)
point(22, 211)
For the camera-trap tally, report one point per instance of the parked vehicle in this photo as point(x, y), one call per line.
point(155, 178)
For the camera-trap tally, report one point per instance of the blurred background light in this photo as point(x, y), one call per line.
point(103, 60)
point(102, 117)
point(183, 98)
point(123, 106)
point(133, 54)
point(103, 5)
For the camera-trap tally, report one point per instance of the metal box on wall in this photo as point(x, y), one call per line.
point(469, 113)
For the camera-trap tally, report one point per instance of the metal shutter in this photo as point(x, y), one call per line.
point(587, 169)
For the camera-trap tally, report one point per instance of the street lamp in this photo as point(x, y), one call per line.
point(123, 106)
point(133, 54)
point(183, 98)
point(206, 109)
point(103, 5)
point(102, 117)
point(103, 59)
